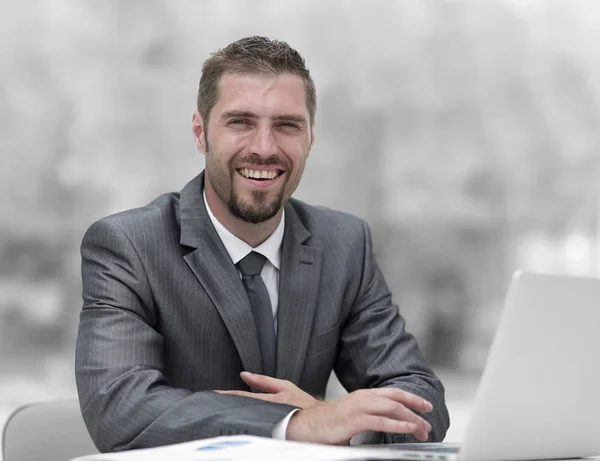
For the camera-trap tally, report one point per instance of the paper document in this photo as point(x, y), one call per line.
point(245, 448)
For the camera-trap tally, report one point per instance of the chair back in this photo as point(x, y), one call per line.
point(48, 431)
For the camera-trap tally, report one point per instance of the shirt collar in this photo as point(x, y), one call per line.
point(238, 249)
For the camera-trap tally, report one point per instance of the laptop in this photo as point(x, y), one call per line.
point(539, 395)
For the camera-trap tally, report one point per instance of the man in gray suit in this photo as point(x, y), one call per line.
point(224, 308)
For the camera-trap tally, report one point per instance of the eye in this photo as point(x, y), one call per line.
point(289, 125)
point(238, 121)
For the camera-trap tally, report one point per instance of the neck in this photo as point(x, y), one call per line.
point(252, 234)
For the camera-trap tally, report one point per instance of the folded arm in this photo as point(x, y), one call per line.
point(125, 398)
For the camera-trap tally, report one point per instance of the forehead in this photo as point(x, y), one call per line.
point(263, 94)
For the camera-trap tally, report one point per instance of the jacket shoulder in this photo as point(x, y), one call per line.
point(326, 223)
point(163, 212)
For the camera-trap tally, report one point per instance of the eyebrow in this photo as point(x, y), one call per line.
point(247, 114)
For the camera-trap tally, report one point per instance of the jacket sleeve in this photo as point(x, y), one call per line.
point(125, 399)
point(376, 350)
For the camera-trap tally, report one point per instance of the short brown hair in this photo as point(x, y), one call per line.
point(252, 55)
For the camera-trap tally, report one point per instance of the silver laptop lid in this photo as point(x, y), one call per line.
point(538, 397)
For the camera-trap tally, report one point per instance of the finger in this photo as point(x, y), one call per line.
point(242, 393)
point(406, 398)
point(405, 414)
point(252, 395)
point(266, 397)
point(389, 425)
point(382, 406)
point(422, 436)
point(393, 426)
point(264, 383)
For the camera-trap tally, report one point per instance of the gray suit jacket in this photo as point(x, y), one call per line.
point(166, 320)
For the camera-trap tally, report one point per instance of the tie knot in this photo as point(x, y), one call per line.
point(251, 264)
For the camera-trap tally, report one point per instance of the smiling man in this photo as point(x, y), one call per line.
point(260, 134)
point(224, 308)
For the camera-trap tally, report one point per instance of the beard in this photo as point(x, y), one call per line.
point(259, 210)
point(259, 207)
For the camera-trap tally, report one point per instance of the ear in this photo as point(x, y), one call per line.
point(198, 132)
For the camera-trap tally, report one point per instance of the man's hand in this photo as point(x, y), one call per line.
point(276, 390)
point(380, 410)
point(336, 422)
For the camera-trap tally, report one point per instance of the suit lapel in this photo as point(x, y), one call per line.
point(298, 287)
point(212, 266)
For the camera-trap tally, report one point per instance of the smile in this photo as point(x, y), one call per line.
point(259, 174)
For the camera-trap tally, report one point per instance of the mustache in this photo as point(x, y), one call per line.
point(258, 161)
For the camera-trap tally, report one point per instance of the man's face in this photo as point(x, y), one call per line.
point(256, 143)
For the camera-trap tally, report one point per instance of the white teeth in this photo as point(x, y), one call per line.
point(258, 174)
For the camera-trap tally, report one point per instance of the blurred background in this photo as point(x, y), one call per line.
point(465, 132)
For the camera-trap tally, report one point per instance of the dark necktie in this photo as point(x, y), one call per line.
point(251, 267)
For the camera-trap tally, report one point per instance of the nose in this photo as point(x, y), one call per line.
point(262, 142)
